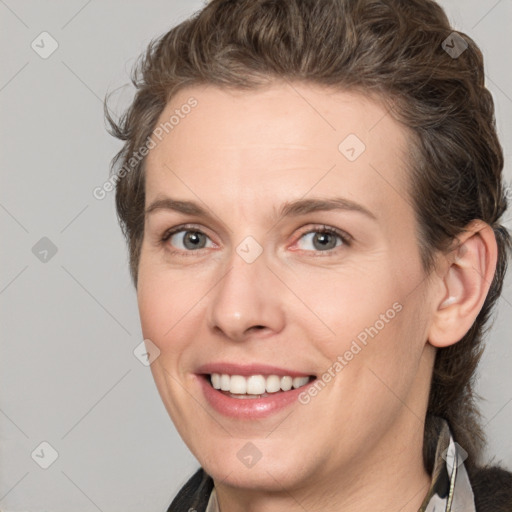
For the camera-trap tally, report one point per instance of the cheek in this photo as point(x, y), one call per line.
point(373, 322)
point(166, 305)
point(386, 369)
point(351, 305)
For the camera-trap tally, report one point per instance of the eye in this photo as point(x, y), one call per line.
point(187, 239)
point(324, 239)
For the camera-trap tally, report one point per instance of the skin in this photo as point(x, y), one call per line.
point(357, 445)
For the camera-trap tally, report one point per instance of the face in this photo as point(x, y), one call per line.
point(280, 251)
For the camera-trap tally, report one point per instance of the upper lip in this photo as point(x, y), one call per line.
point(248, 369)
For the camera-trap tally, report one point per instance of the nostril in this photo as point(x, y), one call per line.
point(256, 327)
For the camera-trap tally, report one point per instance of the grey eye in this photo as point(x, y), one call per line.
point(187, 239)
point(322, 240)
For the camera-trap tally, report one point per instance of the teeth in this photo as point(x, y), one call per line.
point(286, 383)
point(238, 385)
point(225, 382)
point(299, 381)
point(273, 384)
point(216, 380)
point(256, 384)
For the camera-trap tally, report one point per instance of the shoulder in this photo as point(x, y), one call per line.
point(492, 487)
point(194, 494)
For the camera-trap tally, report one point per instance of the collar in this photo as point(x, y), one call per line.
point(213, 504)
point(450, 490)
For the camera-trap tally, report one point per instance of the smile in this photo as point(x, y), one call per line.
point(255, 386)
point(251, 391)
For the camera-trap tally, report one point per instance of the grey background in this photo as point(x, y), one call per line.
point(69, 325)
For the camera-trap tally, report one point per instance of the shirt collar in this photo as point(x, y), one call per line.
point(213, 505)
point(450, 490)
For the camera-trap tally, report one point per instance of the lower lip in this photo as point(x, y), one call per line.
point(248, 408)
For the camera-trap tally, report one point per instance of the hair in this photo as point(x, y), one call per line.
point(391, 49)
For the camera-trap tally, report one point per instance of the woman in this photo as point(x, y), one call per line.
point(312, 193)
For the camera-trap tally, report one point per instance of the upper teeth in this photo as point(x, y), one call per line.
point(256, 384)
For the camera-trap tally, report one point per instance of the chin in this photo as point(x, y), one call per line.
point(244, 465)
point(256, 479)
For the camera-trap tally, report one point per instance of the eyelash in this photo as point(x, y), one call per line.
point(345, 238)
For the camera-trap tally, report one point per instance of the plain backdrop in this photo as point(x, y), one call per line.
point(69, 318)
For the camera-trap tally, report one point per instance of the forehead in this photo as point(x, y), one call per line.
point(278, 142)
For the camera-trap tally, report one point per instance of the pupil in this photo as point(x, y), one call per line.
point(323, 239)
point(193, 238)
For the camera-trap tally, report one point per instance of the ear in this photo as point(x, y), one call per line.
point(464, 285)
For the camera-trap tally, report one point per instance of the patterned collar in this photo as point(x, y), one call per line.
point(450, 490)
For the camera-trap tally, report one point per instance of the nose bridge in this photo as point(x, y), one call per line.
point(245, 297)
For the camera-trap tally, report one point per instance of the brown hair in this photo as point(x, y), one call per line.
point(390, 48)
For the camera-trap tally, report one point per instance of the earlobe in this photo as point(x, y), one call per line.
point(465, 285)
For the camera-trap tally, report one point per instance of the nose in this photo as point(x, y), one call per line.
point(247, 301)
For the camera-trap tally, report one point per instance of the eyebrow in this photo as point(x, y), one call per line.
point(289, 209)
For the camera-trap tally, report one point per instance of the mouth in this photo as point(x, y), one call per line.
point(255, 386)
point(251, 391)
